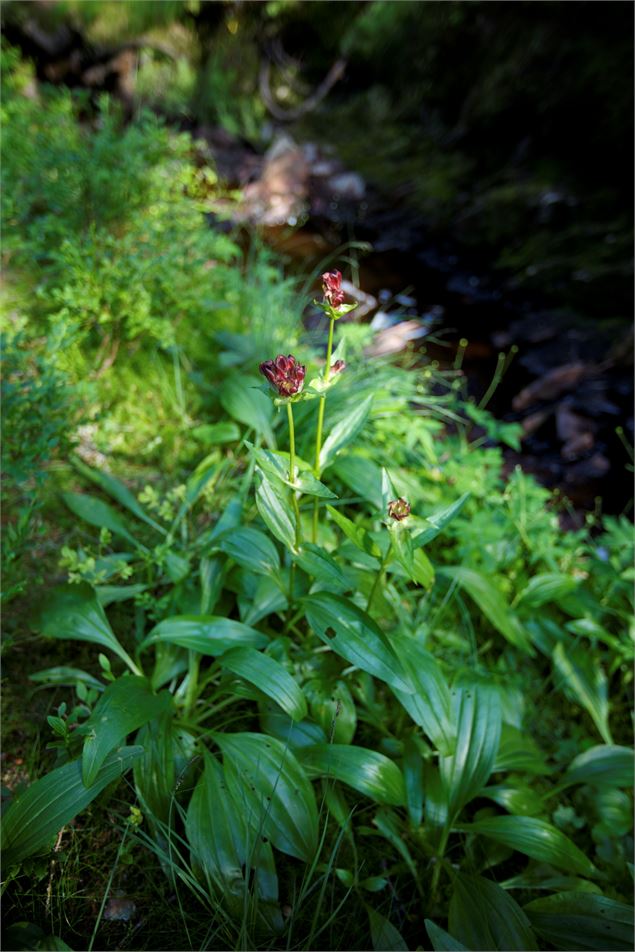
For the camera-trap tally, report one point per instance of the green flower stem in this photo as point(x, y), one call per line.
point(194, 663)
point(436, 872)
point(294, 499)
point(320, 423)
point(378, 577)
point(292, 472)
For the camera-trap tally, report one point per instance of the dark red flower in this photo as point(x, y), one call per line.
point(338, 367)
point(332, 288)
point(284, 374)
point(399, 509)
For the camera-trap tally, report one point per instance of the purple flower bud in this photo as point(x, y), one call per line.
point(284, 374)
point(399, 509)
point(332, 288)
point(338, 367)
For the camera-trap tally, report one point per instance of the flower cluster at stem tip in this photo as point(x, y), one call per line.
point(332, 288)
point(285, 374)
point(399, 509)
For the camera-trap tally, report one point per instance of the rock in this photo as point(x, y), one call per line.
point(550, 386)
point(119, 910)
point(396, 338)
point(348, 186)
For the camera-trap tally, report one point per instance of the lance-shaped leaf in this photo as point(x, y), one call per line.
point(268, 675)
point(119, 491)
point(207, 634)
point(124, 706)
point(358, 536)
point(484, 917)
point(491, 602)
point(535, 838)
point(243, 399)
point(98, 513)
point(277, 465)
point(251, 549)
point(438, 521)
point(441, 940)
point(581, 920)
point(429, 703)
point(584, 681)
point(274, 505)
point(318, 563)
point(73, 612)
point(40, 811)
point(546, 587)
point(344, 432)
point(232, 853)
point(354, 635)
point(367, 771)
point(476, 712)
point(272, 790)
point(384, 936)
point(606, 765)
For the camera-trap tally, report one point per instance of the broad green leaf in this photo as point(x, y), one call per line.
point(518, 751)
point(242, 398)
point(439, 520)
point(485, 918)
point(429, 703)
point(98, 513)
point(319, 564)
point(273, 791)
point(603, 766)
point(535, 838)
point(517, 798)
point(491, 602)
point(361, 475)
point(168, 752)
point(110, 594)
point(73, 612)
point(358, 536)
point(266, 598)
point(384, 936)
point(355, 636)
point(580, 920)
point(275, 510)
point(476, 712)
point(268, 675)
point(333, 707)
point(413, 781)
point(124, 706)
point(585, 682)
point(277, 465)
point(274, 721)
point(344, 432)
point(548, 587)
point(366, 771)
point(231, 518)
point(119, 491)
point(67, 677)
point(40, 811)
point(252, 549)
point(441, 940)
point(208, 634)
point(233, 854)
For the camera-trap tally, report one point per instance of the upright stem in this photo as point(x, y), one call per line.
point(384, 563)
point(320, 423)
point(194, 663)
point(294, 498)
